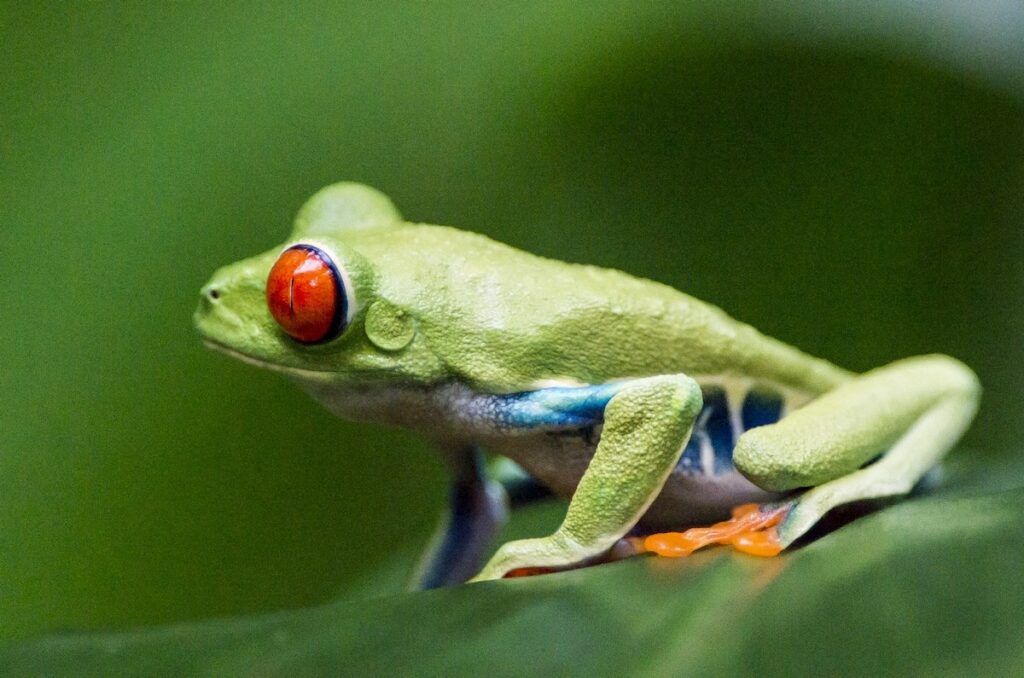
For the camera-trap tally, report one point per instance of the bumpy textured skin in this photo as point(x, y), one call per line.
point(495, 318)
point(444, 323)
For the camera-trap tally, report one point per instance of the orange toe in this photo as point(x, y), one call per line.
point(764, 543)
point(750, 530)
point(672, 544)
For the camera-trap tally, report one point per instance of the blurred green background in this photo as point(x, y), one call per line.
point(847, 179)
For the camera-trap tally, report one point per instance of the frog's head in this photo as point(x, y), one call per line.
point(310, 308)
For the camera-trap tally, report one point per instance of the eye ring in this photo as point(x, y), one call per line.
point(307, 296)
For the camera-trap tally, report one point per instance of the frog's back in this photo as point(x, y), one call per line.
point(506, 320)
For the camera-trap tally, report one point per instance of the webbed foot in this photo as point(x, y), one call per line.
point(752, 530)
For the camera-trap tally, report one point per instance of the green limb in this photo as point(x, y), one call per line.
point(911, 412)
point(646, 425)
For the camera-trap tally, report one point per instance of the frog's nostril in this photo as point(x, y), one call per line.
point(213, 293)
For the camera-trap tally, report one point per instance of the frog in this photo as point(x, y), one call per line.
point(666, 424)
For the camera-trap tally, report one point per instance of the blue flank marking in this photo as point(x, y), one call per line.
point(761, 407)
point(713, 424)
point(560, 406)
point(719, 428)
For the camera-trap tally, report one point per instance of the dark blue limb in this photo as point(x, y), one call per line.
point(477, 510)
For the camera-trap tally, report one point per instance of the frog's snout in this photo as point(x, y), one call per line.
point(209, 296)
point(214, 315)
point(210, 306)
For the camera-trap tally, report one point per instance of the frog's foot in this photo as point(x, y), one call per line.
point(627, 547)
point(752, 529)
point(547, 554)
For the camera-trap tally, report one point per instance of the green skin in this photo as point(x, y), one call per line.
point(435, 311)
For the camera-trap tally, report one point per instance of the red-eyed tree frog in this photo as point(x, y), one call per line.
point(649, 410)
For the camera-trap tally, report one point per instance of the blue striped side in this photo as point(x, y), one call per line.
point(556, 407)
point(761, 406)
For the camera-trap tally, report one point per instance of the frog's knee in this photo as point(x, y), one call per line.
point(956, 377)
point(933, 374)
point(769, 462)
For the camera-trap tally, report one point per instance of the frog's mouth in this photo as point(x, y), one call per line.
point(298, 372)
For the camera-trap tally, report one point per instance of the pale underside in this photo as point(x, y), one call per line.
point(702, 486)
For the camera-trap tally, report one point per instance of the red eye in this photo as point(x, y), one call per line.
point(306, 296)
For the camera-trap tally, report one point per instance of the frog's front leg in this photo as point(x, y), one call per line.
point(646, 425)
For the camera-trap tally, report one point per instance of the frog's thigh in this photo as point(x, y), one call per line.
point(646, 425)
point(913, 411)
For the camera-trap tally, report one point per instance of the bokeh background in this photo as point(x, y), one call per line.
point(847, 178)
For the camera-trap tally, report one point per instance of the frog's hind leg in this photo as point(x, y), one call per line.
point(937, 396)
point(911, 412)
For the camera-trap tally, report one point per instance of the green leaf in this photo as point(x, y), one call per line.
point(847, 177)
point(924, 587)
